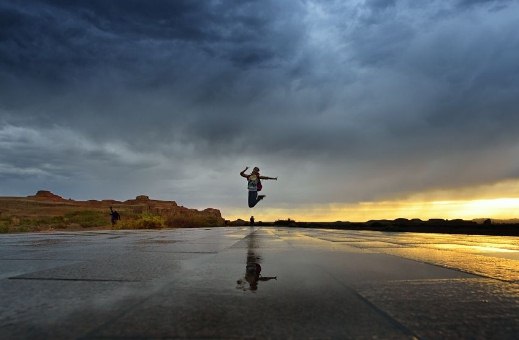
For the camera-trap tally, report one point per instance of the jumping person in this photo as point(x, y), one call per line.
point(254, 185)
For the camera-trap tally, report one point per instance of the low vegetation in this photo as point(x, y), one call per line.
point(92, 219)
point(70, 220)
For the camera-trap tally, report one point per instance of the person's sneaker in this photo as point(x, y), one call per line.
point(260, 197)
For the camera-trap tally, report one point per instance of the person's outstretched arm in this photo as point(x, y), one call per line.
point(266, 177)
point(242, 174)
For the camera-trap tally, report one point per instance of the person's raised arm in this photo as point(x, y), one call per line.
point(242, 174)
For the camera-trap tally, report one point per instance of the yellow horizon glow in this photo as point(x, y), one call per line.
point(499, 208)
point(497, 200)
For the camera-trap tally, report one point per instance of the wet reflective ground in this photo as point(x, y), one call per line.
point(258, 283)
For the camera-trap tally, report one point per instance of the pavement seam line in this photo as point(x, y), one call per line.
point(381, 312)
point(65, 279)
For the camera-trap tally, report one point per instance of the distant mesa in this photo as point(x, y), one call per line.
point(47, 195)
point(142, 198)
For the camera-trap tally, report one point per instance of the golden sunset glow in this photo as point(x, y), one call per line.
point(498, 200)
point(500, 208)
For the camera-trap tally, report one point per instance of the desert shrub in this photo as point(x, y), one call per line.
point(84, 218)
point(193, 221)
point(50, 221)
point(28, 224)
point(180, 221)
point(4, 227)
point(143, 221)
point(21, 229)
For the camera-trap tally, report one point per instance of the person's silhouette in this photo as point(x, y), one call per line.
point(114, 216)
point(254, 185)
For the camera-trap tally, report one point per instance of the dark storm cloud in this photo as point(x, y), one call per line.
point(356, 100)
point(58, 35)
point(101, 53)
point(482, 2)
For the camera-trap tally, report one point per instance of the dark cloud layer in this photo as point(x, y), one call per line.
point(345, 101)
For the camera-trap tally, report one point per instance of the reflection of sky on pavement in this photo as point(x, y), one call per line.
point(437, 285)
point(490, 256)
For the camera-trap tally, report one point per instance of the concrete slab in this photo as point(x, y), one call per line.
point(462, 308)
point(257, 283)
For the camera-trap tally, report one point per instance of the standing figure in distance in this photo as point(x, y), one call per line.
point(254, 185)
point(115, 216)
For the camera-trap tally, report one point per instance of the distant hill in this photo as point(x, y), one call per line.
point(498, 221)
point(483, 226)
point(48, 211)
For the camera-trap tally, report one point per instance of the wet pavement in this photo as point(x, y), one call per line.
point(258, 283)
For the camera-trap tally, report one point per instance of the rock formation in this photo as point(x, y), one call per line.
point(45, 204)
point(46, 195)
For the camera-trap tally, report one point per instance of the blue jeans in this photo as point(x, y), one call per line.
point(253, 198)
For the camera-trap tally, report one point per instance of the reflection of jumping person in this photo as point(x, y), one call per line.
point(254, 185)
point(252, 276)
point(115, 216)
point(252, 267)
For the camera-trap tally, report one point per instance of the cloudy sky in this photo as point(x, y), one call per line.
point(357, 106)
